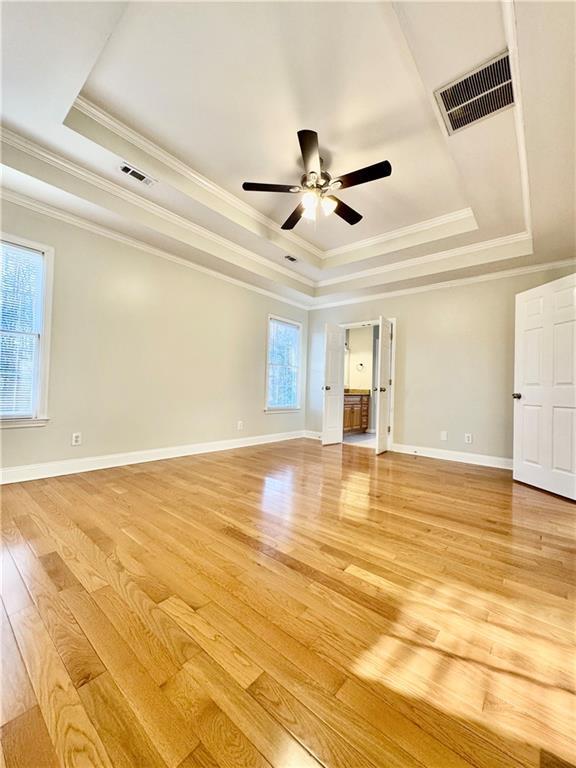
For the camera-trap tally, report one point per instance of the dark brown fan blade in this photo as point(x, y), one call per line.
point(254, 186)
point(310, 153)
point(294, 217)
point(345, 212)
point(370, 173)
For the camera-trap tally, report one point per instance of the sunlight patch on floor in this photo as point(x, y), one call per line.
point(510, 678)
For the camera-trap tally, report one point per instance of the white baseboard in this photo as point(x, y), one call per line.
point(89, 463)
point(466, 458)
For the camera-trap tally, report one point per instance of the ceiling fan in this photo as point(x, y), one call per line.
point(318, 186)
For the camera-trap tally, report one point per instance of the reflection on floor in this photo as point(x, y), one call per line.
point(288, 605)
point(361, 439)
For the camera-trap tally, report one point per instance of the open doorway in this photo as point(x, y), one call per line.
point(358, 384)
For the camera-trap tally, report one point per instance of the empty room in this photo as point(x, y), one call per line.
point(288, 384)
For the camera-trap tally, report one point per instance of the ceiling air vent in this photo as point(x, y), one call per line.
point(484, 91)
point(134, 173)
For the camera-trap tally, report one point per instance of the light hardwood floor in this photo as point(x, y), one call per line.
point(288, 606)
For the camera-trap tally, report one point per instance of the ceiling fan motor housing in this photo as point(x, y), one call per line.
point(313, 181)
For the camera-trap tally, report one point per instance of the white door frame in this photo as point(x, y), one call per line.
point(392, 321)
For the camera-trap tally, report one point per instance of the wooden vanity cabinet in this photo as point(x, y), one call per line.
point(356, 412)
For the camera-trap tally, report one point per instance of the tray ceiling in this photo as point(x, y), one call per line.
point(177, 91)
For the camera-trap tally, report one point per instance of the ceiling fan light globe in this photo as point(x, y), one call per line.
point(310, 200)
point(309, 213)
point(328, 206)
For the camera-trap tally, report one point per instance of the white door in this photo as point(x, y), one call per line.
point(333, 412)
point(545, 387)
point(382, 394)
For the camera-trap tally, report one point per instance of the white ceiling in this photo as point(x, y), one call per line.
point(174, 88)
point(229, 105)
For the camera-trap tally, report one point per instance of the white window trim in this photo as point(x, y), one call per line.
point(298, 324)
point(41, 417)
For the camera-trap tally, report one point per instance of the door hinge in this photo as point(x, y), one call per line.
point(389, 430)
point(390, 382)
point(391, 333)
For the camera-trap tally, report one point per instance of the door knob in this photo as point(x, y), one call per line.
point(327, 389)
point(516, 395)
point(382, 389)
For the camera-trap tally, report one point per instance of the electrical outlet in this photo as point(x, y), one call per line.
point(443, 435)
point(468, 437)
point(76, 438)
point(240, 425)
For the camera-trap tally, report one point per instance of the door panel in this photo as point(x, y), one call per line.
point(545, 378)
point(382, 395)
point(564, 353)
point(333, 411)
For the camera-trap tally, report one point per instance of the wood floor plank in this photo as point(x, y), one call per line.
point(78, 656)
point(147, 648)
point(16, 694)
point(124, 738)
point(166, 728)
point(327, 746)
point(26, 742)
point(222, 741)
point(238, 666)
point(74, 737)
point(200, 758)
point(277, 746)
point(59, 573)
point(15, 596)
point(362, 737)
point(288, 604)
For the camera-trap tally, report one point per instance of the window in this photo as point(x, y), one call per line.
point(24, 279)
point(283, 365)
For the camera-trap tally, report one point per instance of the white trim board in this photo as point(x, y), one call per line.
point(457, 282)
point(89, 463)
point(98, 125)
point(74, 179)
point(476, 459)
point(479, 459)
point(518, 244)
point(98, 229)
point(94, 123)
point(316, 303)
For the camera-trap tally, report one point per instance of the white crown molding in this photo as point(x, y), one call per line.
point(432, 258)
point(195, 181)
point(480, 459)
point(314, 303)
point(93, 122)
point(221, 247)
point(90, 463)
point(393, 234)
point(440, 227)
point(97, 229)
point(456, 283)
point(216, 245)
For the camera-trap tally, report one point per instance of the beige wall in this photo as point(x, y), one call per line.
point(359, 351)
point(454, 362)
point(145, 353)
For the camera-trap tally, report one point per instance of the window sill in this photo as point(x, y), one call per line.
point(282, 410)
point(17, 423)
